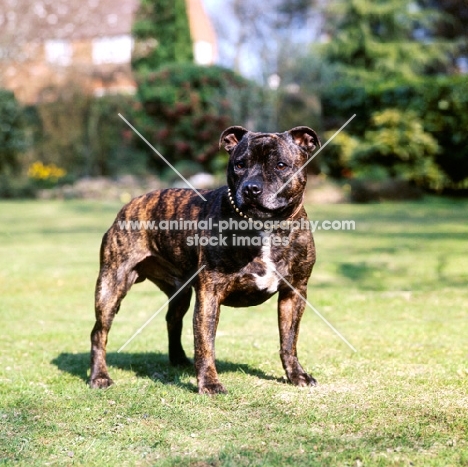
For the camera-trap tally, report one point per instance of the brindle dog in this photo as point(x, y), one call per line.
point(233, 275)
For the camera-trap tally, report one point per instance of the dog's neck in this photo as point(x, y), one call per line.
point(296, 211)
point(290, 218)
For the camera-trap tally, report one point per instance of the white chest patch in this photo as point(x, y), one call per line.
point(270, 279)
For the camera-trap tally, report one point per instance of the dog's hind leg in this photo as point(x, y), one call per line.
point(178, 307)
point(111, 287)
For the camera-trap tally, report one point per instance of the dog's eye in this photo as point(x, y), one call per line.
point(281, 165)
point(240, 165)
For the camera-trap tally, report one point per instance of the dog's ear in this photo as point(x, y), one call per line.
point(231, 137)
point(305, 137)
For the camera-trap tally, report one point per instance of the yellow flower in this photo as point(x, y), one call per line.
point(49, 172)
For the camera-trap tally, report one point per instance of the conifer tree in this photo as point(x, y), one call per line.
point(383, 38)
point(162, 35)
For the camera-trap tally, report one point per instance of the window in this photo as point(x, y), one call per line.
point(203, 52)
point(116, 49)
point(58, 52)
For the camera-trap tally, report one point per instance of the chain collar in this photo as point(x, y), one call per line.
point(247, 217)
point(235, 207)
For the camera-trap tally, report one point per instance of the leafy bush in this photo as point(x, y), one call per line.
point(16, 186)
point(395, 145)
point(440, 104)
point(85, 135)
point(14, 141)
point(336, 162)
point(13, 138)
point(187, 106)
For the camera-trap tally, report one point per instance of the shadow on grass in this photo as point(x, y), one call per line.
point(378, 276)
point(149, 364)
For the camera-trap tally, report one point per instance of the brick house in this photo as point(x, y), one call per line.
point(45, 44)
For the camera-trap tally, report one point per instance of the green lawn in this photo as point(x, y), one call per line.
point(396, 288)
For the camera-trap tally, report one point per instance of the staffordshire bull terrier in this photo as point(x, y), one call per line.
point(270, 259)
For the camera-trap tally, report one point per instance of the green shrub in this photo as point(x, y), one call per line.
point(397, 144)
point(81, 134)
point(16, 186)
point(85, 135)
point(441, 105)
point(110, 140)
point(336, 161)
point(13, 138)
point(187, 106)
point(394, 146)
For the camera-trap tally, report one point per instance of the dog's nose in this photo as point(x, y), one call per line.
point(253, 189)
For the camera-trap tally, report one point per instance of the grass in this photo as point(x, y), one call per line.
point(395, 287)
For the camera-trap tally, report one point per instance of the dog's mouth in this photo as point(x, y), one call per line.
point(269, 206)
point(257, 210)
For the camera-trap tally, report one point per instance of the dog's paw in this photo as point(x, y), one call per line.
point(215, 388)
point(100, 383)
point(303, 379)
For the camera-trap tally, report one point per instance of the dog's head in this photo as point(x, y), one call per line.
point(265, 171)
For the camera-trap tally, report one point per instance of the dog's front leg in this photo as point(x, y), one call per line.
point(290, 310)
point(205, 323)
